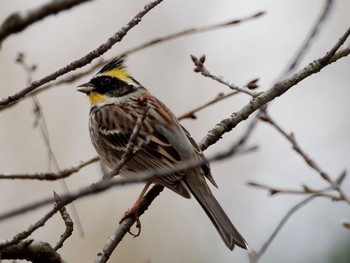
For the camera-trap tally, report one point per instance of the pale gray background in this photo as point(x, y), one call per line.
point(176, 229)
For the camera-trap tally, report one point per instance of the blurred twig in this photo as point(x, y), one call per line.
point(40, 122)
point(306, 190)
point(312, 163)
point(305, 46)
point(254, 256)
point(51, 176)
point(16, 22)
point(219, 97)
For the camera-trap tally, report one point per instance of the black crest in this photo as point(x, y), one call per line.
point(117, 62)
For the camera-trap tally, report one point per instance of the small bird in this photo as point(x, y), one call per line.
point(117, 101)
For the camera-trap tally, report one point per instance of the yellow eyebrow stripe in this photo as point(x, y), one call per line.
point(121, 74)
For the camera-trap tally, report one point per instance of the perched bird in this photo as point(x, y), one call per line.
point(117, 100)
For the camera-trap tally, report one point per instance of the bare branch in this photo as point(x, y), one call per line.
point(124, 227)
point(306, 190)
point(219, 97)
point(33, 251)
point(191, 31)
point(51, 176)
point(117, 37)
point(17, 22)
point(313, 33)
point(253, 84)
point(290, 137)
point(104, 185)
point(186, 32)
point(199, 63)
point(254, 256)
point(67, 221)
point(26, 233)
point(277, 90)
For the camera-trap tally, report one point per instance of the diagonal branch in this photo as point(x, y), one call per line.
point(313, 33)
point(17, 22)
point(185, 32)
point(117, 37)
point(254, 256)
point(277, 90)
point(104, 185)
point(312, 163)
point(114, 240)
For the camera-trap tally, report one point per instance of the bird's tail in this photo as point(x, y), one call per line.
point(201, 191)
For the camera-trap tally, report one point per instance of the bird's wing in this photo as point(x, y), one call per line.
point(115, 127)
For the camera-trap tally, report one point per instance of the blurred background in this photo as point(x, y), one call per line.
point(175, 229)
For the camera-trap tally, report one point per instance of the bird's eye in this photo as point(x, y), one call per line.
point(105, 81)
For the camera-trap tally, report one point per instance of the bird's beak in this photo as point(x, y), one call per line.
point(86, 87)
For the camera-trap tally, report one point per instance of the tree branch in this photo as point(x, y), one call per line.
point(17, 22)
point(114, 240)
point(306, 190)
point(67, 221)
point(290, 137)
point(34, 251)
point(313, 33)
point(199, 63)
point(254, 256)
point(277, 90)
point(117, 37)
point(50, 176)
point(185, 32)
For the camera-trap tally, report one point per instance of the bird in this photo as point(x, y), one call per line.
point(117, 102)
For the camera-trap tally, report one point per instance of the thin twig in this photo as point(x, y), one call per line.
point(255, 256)
point(306, 190)
point(117, 37)
point(17, 22)
point(67, 221)
point(189, 31)
point(51, 176)
point(199, 63)
point(277, 90)
point(312, 163)
point(191, 113)
point(104, 185)
point(313, 33)
point(26, 233)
